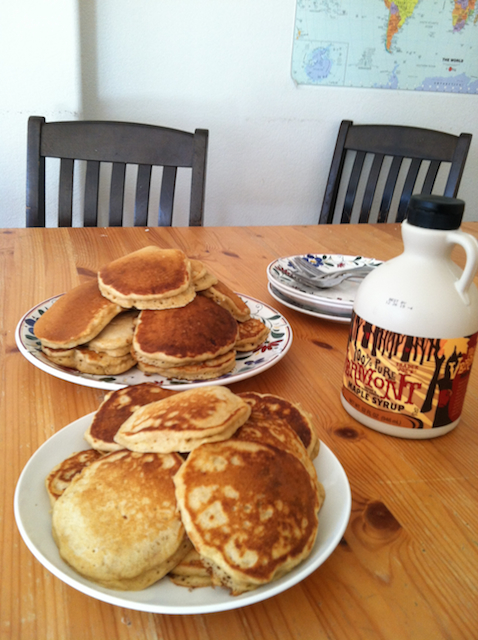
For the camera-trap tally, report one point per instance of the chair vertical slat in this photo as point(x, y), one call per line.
point(370, 188)
point(92, 184)
point(65, 196)
point(143, 183)
point(35, 196)
point(166, 198)
point(457, 165)
point(118, 174)
point(198, 178)
point(408, 187)
point(333, 180)
point(389, 188)
point(430, 177)
point(352, 187)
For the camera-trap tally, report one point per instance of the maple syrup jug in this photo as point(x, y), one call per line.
point(414, 328)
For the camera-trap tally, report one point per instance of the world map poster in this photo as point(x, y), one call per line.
point(415, 45)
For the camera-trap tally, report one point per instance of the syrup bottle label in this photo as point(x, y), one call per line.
point(405, 381)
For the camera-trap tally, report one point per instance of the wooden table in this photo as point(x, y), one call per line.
point(407, 566)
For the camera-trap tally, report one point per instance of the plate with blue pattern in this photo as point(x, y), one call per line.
point(248, 364)
point(337, 300)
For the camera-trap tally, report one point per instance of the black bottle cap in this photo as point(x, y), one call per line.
point(435, 212)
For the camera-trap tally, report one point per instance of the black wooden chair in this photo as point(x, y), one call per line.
point(119, 143)
point(388, 163)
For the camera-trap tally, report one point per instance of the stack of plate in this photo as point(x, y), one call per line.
point(334, 304)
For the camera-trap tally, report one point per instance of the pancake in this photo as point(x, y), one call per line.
point(116, 408)
point(252, 333)
point(200, 331)
point(207, 370)
point(87, 361)
point(249, 509)
point(191, 572)
point(61, 476)
point(280, 434)
point(201, 277)
point(198, 270)
point(204, 283)
point(117, 337)
point(150, 278)
point(225, 297)
point(269, 408)
point(184, 421)
point(118, 523)
point(75, 318)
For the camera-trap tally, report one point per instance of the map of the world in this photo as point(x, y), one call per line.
point(417, 45)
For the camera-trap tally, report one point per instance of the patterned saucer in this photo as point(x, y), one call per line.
point(338, 300)
point(306, 309)
point(248, 364)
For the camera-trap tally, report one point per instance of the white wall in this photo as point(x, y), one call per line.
point(39, 75)
point(217, 64)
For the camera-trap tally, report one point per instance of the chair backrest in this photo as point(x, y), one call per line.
point(386, 162)
point(121, 144)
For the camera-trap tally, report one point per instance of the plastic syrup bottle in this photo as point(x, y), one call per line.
point(414, 328)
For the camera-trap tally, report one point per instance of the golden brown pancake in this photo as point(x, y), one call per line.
point(200, 331)
point(225, 297)
point(150, 278)
point(76, 317)
point(270, 408)
point(191, 572)
point(116, 408)
point(118, 523)
point(198, 269)
point(252, 333)
point(184, 421)
point(249, 509)
point(61, 476)
point(201, 277)
point(207, 370)
point(280, 434)
point(116, 338)
point(87, 361)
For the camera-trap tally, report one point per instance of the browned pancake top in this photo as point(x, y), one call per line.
point(229, 293)
point(120, 404)
point(275, 433)
point(278, 433)
point(201, 327)
point(250, 328)
point(196, 413)
point(273, 408)
point(118, 522)
point(74, 313)
point(149, 271)
point(268, 505)
point(152, 473)
point(61, 476)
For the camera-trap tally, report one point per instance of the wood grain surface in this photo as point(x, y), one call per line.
point(407, 566)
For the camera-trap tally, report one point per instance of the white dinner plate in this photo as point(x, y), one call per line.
point(304, 308)
point(33, 518)
point(248, 363)
point(337, 300)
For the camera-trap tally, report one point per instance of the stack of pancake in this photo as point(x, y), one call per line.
point(154, 308)
point(219, 488)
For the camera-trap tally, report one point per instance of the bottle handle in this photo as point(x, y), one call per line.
point(470, 245)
